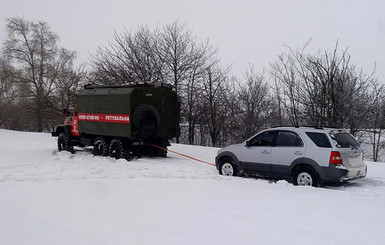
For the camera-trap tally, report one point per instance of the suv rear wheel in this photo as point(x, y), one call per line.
point(227, 167)
point(305, 176)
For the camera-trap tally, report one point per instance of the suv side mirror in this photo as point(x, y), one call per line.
point(247, 143)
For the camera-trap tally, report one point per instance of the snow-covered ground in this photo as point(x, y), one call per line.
point(50, 197)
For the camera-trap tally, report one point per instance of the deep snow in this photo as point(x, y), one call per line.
point(50, 197)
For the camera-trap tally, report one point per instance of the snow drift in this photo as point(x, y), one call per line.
point(50, 197)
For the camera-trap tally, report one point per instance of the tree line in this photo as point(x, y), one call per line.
point(38, 79)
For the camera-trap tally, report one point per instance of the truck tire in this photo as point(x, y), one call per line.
point(101, 147)
point(64, 143)
point(162, 153)
point(158, 152)
point(145, 120)
point(116, 149)
point(129, 155)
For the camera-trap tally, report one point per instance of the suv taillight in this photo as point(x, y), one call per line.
point(335, 158)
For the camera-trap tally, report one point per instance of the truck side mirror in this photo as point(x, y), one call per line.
point(66, 112)
point(247, 143)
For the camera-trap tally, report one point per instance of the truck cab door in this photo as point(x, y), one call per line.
point(75, 124)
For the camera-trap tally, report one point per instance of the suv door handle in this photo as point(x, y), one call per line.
point(265, 152)
point(298, 152)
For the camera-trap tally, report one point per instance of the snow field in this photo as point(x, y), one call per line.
point(50, 197)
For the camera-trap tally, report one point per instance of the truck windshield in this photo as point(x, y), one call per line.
point(344, 140)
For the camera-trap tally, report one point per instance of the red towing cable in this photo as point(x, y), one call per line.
point(183, 155)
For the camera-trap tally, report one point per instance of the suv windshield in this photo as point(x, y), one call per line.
point(344, 140)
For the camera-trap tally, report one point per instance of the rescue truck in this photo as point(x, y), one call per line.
point(122, 121)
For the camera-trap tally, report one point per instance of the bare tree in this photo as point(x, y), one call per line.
point(287, 84)
point(213, 103)
point(38, 62)
point(179, 49)
point(8, 93)
point(32, 46)
point(132, 57)
point(67, 82)
point(204, 58)
point(375, 122)
point(255, 103)
point(324, 89)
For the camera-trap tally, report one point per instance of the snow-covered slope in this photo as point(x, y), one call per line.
point(50, 197)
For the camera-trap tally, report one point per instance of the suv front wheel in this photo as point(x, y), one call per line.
point(227, 167)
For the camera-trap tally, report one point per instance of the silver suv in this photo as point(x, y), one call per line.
point(304, 155)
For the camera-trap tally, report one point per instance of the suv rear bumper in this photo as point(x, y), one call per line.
point(341, 173)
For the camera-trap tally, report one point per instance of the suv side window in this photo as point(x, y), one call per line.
point(289, 139)
point(320, 139)
point(263, 139)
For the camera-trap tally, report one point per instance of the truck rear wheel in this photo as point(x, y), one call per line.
point(162, 153)
point(159, 152)
point(100, 147)
point(116, 149)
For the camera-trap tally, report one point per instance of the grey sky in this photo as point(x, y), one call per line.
point(245, 31)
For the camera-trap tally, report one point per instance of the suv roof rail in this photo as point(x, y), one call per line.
point(306, 126)
point(311, 126)
point(128, 85)
point(301, 126)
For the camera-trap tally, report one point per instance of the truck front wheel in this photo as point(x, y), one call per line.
point(64, 143)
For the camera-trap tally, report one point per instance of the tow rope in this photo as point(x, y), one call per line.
point(184, 155)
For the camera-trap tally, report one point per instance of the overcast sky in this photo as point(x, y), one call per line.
point(244, 31)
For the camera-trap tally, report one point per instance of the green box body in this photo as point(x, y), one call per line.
point(123, 100)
